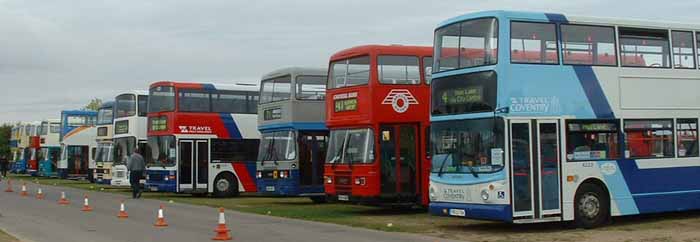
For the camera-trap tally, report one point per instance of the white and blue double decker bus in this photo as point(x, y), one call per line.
point(546, 117)
point(291, 120)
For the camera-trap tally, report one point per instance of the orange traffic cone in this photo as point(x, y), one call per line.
point(24, 190)
point(160, 220)
point(86, 205)
point(63, 200)
point(222, 232)
point(9, 186)
point(39, 194)
point(122, 211)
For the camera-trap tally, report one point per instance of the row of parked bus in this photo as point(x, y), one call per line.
point(513, 116)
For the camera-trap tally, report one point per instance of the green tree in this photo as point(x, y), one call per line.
point(94, 104)
point(5, 133)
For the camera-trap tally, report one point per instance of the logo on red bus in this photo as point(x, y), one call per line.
point(400, 100)
point(195, 129)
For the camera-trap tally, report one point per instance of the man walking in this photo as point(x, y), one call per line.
point(4, 165)
point(136, 166)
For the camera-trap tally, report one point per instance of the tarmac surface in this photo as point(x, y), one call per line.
point(30, 219)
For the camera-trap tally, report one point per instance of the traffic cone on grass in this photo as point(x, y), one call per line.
point(222, 232)
point(63, 200)
point(24, 190)
point(86, 205)
point(122, 211)
point(160, 220)
point(39, 194)
point(9, 186)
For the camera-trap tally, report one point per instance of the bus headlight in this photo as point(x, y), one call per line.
point(484, 195)
point(361, 181)
point(329, 179)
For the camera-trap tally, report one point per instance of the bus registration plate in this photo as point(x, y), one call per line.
point(153, 189)
point(458, 212)
point(270, 188)
point(343, 197)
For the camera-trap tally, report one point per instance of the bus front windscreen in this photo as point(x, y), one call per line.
point(125, 105)
point(276, 89)
point(278, 146)
point(123, 147)
point(466, 44)
point(350, 72)
point(161, 99)
point(104, 152)
point(105, 115)
point(467, 146)
point(350, 146)
point(162, 151)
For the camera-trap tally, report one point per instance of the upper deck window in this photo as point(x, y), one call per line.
point(105, 116)
point(193, 100)
point(533, 43)
point(161, 99)
point(143, 105)
point(55, 128)
point(466, 44)
point(350, 72)
point(428, 69)
point(233, 102)
point(398, 70)
point(43, 129)
point(74, 121)
point(276, 89)
point(588, 45)
point(311, 87)
point(697, 44)
point(126, 105)
point(683, 52)
point(644, 48)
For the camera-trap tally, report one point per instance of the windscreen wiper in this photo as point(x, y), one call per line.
point(442, 165)
point(474, 173)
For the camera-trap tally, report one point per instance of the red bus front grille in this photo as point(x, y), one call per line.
point(343, 182)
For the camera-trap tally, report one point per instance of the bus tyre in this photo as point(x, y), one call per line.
point(591, 206)
point(319, 199)
point(225, 185)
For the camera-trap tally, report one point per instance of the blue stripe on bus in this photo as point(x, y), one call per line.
point(589, 81)
point(252, 169)
point(230, 124)
point(619, 191)
point(594, 92)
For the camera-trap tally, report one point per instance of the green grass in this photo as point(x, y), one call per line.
point(5, 237)
point(636, 228)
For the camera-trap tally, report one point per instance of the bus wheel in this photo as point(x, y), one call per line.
point(319, 199)
point(591, 207)
point(225, 185)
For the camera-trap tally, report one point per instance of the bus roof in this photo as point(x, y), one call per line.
point(558, 17)
point(238, 86)
point(296, 71)
point(382, 49)
point(135, 92)
point(107, 104)
point(79, 112)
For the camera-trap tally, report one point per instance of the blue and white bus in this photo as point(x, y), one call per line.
point(291, 120)
point(544, 117)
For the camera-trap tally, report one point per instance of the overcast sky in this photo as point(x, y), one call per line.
point(57, 54)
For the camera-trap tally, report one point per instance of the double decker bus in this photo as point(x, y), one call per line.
point(202, 138)
point(104, 153)
point(48, 156)
point(294, 134)
point(22, 155)
point(129, 132)
point(377, 113)
point(78, 144)
point(544, 117)
point(34, 147)
point(14, 146)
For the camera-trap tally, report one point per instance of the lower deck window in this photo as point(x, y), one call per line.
point(687, 135)
point(649, 138)
point(592, 140)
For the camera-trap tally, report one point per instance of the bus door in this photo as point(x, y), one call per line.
point(399, 159)
point(535, 169)
point(193, 168)
point(312, 154)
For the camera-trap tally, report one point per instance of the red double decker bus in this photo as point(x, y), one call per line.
point(378, 113)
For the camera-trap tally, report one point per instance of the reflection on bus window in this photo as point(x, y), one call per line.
point(351, 146)
point(687, 132)
point(592, 140)
point(467, 146)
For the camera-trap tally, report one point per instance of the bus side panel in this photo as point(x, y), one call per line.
point(244, 172)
